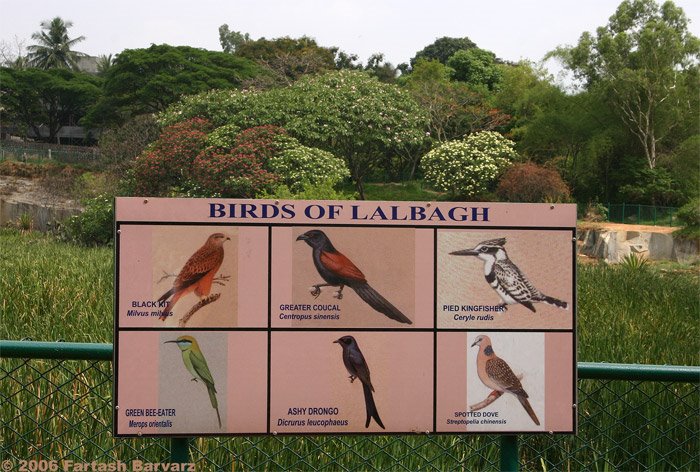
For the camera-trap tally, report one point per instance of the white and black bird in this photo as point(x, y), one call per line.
point(505, 278)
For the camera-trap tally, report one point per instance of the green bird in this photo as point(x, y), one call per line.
point(196, 364)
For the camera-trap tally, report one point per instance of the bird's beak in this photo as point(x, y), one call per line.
point(337, 341)
point(302, 237)
point(166, 342)
point(464, 252)
point(475, 343)
point(228, 239)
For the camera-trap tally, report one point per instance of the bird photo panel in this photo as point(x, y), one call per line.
point(505, 381)
point(351, 381)
point(505, 279)
point(352, 277)
point(188, 276)
point(184, 382)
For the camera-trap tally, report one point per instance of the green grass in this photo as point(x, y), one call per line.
point(51, 290)
point(414, 190)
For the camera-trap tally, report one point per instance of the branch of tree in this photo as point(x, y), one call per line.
point(203, 302)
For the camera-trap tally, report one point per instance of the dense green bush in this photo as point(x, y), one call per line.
point(94, 226)
point(689, 214)
point(530, 183)
point(471, 166)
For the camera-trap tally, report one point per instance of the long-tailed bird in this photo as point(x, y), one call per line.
point(338, 271)
point(198, 272)
point(196, 365)
point(357, 368)
point(496, 374)
point(505, 278)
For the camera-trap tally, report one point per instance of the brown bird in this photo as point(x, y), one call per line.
point(495, 373)
point(198, 272)
point(339, 271)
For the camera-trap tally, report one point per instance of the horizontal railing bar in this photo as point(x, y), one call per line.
point(586, 370)
point(56, 350)
point(657, 373)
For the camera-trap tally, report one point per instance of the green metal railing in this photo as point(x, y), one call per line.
point(55, 404)
point(631, 213)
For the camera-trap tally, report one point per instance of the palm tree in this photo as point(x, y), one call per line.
point(53, 48)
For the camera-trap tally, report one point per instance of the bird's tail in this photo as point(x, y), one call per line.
point(555, 301)
point(214, 403)
point(371, 407)
point(379, 303)
point(170, 304)
point(526, 404)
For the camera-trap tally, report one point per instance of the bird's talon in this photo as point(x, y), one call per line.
point(315, 290)
point(338, 295)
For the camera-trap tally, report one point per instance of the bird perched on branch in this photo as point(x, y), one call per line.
point(505, 278)
point(496, 374)
point(338, 271)
point(198, 272)
point(196, 365)
point(357, 368)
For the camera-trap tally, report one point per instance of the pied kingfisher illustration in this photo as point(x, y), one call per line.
point(505, 278)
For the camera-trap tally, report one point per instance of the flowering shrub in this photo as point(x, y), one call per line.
point(300, 166)
point(470, 166)
point(531, 183)
point(169, 159)
point(223, 137)
point(238, 173)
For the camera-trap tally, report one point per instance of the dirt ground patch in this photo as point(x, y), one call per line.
point(23, 190)
point(587, 225)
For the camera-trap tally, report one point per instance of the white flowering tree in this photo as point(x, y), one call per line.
point(348, 113)
point(469, 167)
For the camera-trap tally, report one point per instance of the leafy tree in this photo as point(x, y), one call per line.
point(442, 49)
point(383, 71)
point(287, 59)
point(476, 67)
point(347, 113)
point(643, 60)
point(344, 60)
point(231, 40)
point(148, 80)
point(55, 97)
point(455, 109)
point(469, 167)
point(120, 145)
point(54, 47)
point(104, 63)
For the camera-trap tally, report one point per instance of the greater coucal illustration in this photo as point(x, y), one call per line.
point(496, 374)
point(198, 272)
point(357, 368)
point(338, 271)
point(505, 278)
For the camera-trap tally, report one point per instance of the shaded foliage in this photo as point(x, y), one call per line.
point(528, 182)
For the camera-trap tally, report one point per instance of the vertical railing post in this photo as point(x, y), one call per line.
point(509, 453)
point(180, 450)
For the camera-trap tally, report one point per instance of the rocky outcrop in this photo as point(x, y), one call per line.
point(614, 245)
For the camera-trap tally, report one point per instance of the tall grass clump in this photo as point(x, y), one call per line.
point(51, 290)
point(634, 313)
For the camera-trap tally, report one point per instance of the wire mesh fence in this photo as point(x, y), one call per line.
point(40, 152)
point(642, 214)
point(60, 409)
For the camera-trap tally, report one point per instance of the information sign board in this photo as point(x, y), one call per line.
point(240, 317)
